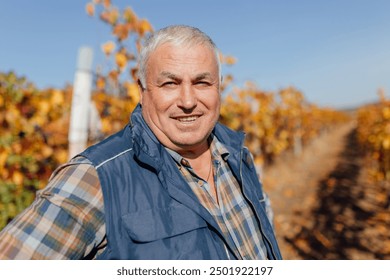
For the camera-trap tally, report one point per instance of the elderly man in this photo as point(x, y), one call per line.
point(173, 184)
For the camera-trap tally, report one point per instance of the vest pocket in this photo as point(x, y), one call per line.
point(160, 223)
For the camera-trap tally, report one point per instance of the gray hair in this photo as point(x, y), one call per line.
point(178, 35)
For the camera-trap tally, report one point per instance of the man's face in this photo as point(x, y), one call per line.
point(181, 99)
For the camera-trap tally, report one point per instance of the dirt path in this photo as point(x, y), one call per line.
point(325, 208)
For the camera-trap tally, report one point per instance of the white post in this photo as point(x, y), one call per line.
point(78, 130)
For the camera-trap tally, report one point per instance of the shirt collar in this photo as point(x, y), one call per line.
point(218, 151)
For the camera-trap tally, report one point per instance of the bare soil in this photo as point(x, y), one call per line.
point(325, 203)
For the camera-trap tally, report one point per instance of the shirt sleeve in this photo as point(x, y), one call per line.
point(65, 221)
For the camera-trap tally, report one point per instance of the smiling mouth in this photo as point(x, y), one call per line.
point(188, 119)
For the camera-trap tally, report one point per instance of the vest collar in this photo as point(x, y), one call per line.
point(146, 146)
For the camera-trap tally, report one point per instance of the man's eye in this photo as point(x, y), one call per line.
point(168, 84)
point(203, 83)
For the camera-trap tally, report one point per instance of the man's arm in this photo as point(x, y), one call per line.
point(66, 220)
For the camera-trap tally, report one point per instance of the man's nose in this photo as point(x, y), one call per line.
point(187, 99)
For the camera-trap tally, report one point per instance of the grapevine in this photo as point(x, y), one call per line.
point(374, 136)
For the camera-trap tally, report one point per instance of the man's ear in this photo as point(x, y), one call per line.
point(141, 90)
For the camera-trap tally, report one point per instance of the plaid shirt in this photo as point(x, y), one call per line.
point(66, 220)
point(232, 212)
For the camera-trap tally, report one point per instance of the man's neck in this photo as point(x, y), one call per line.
point(194, 153)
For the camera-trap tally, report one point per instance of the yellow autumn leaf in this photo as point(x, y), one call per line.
point(133, 92)
point(259, 161)
point(38, 120)
point(386, 143)
point(16, 148)
point(113, 75)
point(144, 26)
point(129, 16)
point(121, 60)
point(46, 151)
point(113, 16)
point(44, 107)
point(12, 115)
point(61, 156)
point(57, 98)
point(106, 125)
point(90, 9)
point(106, 3)
point(121, 31)
point(17, 178)
point(230, 60)
point(386, 113)
point(100, 83)
point(108, 47)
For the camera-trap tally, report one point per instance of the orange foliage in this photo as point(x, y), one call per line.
point(126, 27)
point(374, 135)
point(274, 123)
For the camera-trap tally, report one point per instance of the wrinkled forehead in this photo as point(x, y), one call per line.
point(180, 57)
point(205, 53)
point(186, 45)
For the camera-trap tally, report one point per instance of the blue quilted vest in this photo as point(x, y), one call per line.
point(150, 210)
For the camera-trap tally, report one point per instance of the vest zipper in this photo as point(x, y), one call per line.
point(253, 207)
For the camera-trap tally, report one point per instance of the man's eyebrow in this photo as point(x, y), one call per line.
point(166, 74)
point(202, 76)
point(172, 76)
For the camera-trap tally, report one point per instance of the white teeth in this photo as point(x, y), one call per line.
point(187, 119)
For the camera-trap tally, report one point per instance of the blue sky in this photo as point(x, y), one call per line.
point(337, 52)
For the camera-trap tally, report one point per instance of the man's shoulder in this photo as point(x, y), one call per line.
point(109, 148)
